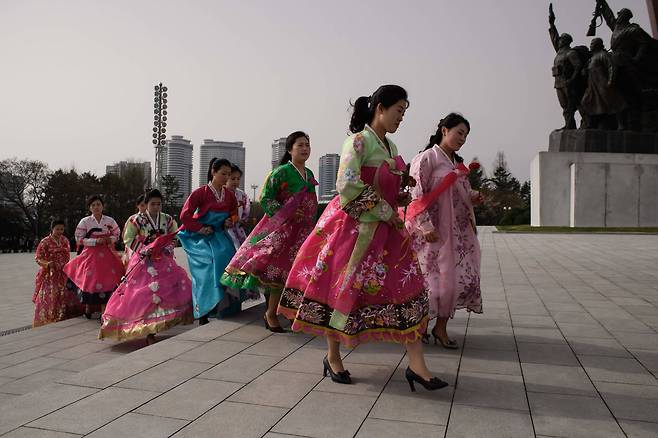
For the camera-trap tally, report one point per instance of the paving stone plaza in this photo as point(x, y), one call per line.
point(567, 346)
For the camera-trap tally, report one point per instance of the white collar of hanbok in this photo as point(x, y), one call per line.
point(445, 155)
point(219, 196)
point(381, 142)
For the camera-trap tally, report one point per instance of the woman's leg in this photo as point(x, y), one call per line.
point(417, 359)
point(270, 312)
point(333, 355)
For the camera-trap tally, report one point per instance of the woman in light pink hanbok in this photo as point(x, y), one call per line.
point(441, 222)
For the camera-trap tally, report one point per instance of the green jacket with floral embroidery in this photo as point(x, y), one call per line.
point(280, 184)
point(358, 199)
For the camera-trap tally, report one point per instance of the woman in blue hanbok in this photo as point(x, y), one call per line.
point(206, 215)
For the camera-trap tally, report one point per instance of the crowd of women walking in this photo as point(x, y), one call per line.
point(394, 249)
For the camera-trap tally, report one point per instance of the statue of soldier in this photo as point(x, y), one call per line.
point(567, 71)
point(633, 48)
point(603, 101)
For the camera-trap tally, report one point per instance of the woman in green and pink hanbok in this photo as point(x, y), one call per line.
point(263, 261)
point(356, 278)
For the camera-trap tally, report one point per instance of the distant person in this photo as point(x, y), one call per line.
point(156, 293)
point(207, 213)
point(97, 270)
point(238, 231)
point(262, 263)
point(140, 206)
point(52, 300)
point(356, 278)
point(441, 222)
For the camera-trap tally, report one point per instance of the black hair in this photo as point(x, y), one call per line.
point(139, 199)
point(56, 222)
point(290, 141)
point(154, 193)
point(93, 198)
point(449, 121)
point(216, 164)
point(365, 106)
point(236, 168)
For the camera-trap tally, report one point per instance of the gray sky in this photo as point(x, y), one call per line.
point(77, 76)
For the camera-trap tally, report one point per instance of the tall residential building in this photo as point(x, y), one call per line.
point(328, 172)
point(123, 167)
point(233, 151)
point(278, 149)
point(178, 163)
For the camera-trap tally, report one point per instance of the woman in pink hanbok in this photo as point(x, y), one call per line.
point(238, 232)
point(52, 300)
point(356, 278)
point(156, 293)
point(97, 269)
point(263, 261)
point(441, 222)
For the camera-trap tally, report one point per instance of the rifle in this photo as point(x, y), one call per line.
point(591, 31)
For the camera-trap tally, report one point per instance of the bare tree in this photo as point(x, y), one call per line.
point(23, 184)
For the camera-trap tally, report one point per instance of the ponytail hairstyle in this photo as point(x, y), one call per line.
point(290, 141)
point(216, 164)
point(365, 106)
point(449, 122)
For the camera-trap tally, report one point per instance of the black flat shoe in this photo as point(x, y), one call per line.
point(278, 329)
point(341, 377)
point(203, 320)
point(431, 385)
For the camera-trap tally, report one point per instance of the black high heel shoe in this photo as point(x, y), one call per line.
point(431, 385)
point(340, 377)
point(278, 329)
point(450, 345)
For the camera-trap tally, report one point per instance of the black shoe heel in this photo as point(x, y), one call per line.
point(431, 385)
point(340, 377)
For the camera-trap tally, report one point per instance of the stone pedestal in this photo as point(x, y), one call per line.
point(596, 140)
point(589, 189)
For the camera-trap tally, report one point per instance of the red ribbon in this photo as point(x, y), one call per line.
point(419, 205)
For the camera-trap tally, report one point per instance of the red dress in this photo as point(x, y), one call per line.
point(53, 301)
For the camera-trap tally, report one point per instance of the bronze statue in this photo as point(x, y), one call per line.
point(567, 71)
point(603, 101)
point(635, 55)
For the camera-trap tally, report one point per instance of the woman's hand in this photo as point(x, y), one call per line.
point(430, 237)
point(395, 221)
point(299, 214)
point(404, 199)
point(228, 223)
point(206, 230)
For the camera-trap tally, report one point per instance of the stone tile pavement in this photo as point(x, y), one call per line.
point(567, 347)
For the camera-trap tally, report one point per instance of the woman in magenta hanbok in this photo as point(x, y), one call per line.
point(52, 300)
point(156, 293)
point(263, 261)
point(356, 278)
point(441, 222)
point(97, 269)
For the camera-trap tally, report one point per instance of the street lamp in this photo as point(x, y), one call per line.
point(254, 187)
point(159, 131)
